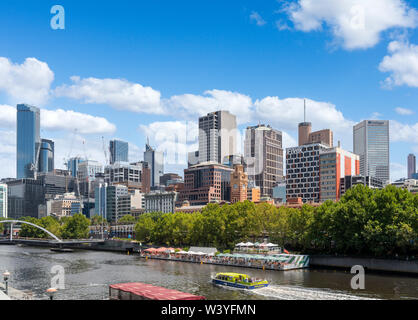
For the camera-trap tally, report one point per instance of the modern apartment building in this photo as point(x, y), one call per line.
point(123, 172)
point(217, 136)
point(130, 203)
point(263, 154)
point(164, 202)
point(113, 194)
point(3, 200)
point(119, 151)
point(57, 182)
point(371, 143)
point(206, 182)
point(335, 163)
point(155, 160)
point(303, 172)
point(412, 165)
point(239, 184)
point(28, 140)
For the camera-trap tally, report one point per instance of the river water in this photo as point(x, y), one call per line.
point(88, 275)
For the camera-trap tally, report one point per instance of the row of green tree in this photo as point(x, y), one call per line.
point(75, 227)
point(365, 221)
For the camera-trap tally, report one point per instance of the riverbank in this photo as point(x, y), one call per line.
point(372, 264)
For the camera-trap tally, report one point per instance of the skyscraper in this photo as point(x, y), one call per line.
point(73, 164)
point(412, 165)
point(46, 156)
point(263, 154)
point(118, 151)
point(217, 136)
point(155, 160)
point(28, 140)
point(371, 143)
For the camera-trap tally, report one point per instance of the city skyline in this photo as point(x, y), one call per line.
point(77, 94)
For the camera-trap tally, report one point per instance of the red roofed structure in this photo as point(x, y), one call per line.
point(143, 291)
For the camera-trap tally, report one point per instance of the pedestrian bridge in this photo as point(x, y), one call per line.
point(56, 239)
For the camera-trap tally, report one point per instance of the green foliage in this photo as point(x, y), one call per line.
point(128, 219)
point(97, 220)
point(77, 227)
point(365, 221)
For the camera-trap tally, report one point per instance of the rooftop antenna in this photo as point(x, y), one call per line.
point(304, 110)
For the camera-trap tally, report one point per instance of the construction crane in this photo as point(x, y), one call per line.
point(105, 151)
point(34, 166)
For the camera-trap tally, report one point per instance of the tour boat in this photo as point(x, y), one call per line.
point(238, 280)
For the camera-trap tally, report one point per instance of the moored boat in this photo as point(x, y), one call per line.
point(238, 280)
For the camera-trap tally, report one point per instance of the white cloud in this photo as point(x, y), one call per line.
point(402, 64)
point(255, 16)
point(7, 116)
point(70, 120)
point(119, 94)
point(358, 24)
point(175, 138)
point(400, 132)
point(29, 82)
point(59, 119)
point(404, 112)
point(7, 154)
point(397, 171)
point(192, 106)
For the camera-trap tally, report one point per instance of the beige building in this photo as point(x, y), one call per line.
point(64, 205)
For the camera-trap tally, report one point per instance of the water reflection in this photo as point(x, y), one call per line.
point(89, 273)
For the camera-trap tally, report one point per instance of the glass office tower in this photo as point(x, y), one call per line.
point(118, 151)
point(28, 139)
point(155, 160)
point(46, 156)
point(371, 143)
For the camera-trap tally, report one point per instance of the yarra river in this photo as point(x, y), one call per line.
point(89, 273)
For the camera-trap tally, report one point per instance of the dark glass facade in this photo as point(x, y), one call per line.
point(46, 156)
point(118, 151)
point(28, 139)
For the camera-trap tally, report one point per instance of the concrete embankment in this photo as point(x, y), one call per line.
point(373, 264)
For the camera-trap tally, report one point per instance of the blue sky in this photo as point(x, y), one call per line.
point(152, 67)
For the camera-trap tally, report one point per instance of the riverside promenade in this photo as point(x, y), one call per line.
point(14, 294)
point(279, 262)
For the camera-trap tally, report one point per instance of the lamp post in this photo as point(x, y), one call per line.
point(6, 276)
point(51, 292)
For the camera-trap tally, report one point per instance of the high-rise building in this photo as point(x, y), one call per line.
point(25, 196)
point(46, 156)
point(112, 199)
point(72, 165)
point(371, 143)
point(57, 182)
point(336, 163)
point(119, 151)
point(303, 172)
point(155, 160)
point(100, 198)
point(263, 153)
point(206, 182)
point(239, 184)
point(3, 200)
point(412, 165)
point(28, 140)
point(217, 136)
